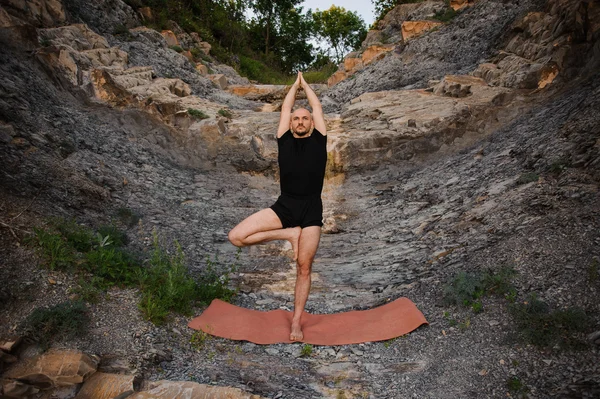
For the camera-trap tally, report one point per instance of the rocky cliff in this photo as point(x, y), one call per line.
point(468, 146)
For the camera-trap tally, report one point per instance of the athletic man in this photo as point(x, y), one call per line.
point(297, 215)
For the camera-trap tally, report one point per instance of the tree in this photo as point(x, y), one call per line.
point(343, 30)
point(270, 14)
point(293, 42)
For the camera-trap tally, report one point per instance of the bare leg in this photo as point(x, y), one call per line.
point(308, 244)
point(263, 226)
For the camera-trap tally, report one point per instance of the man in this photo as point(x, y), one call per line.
point(298, 213)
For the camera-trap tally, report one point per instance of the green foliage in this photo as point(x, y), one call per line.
point(197, 114)
point(53, 249)
point(166, 285)
point(77, 236)
point(176, 48)
point(306, 350)
point(45, 42)
point(516, 386)
point(382, 7)
point(259, 71)
point(213, 283)
point(63, 321)
point(343, 30)
point(126, 216)
point(541, 326)
point(467, 289)
point(120, 30)
point(198, 340)
point(225, 113)
point(445, 15)
point(117, 237)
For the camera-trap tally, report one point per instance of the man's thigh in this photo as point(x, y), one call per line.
point(308, 244)
point(263, 220)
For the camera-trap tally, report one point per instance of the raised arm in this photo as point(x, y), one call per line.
point(315, 104)
point(286, 108)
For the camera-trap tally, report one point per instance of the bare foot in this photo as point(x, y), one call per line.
point(296, 334)
point(294, 239)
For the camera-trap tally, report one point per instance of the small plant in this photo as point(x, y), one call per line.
point(225, 112)
point(539, 325)
point(557, 167)
point(197, 114)
point(88, 289)
point(78, 236)
point(45, 42)
point(54, 249)
point(117, 237)
point(120, 30)
point(527, 178)
point(214, 283)
point(198, 340)
point(166, 285)
point(464, 289)
point(307, 350)
point(126, 216)
point(468, 289)
point(516, 386)
point(176, 48)
point(445, 15)
point(63, 321)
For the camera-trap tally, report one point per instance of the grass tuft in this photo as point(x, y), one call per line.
point(63, 321)
point(225, 113)
point(307, 350)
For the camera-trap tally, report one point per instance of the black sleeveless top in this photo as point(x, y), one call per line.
point(302, 164)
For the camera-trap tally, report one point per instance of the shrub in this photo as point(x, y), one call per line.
point(176, 48)
point(539, 325)
point(225, 113)
point(306, 350)
point(467, 289)
point(54, 249)
point(445, 15)
point(166, 285)
point(197, 114)
point(117, 237)
point(63, 321)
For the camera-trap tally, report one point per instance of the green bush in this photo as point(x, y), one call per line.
point(54, 249)
point(197, 114)
point(176, 48)
point(63, 321)
point(225, 113)
point(78, 236)
point(117, 237)
point(166, 285)
point(467, 289)
point(445, 15)
point(539, 325)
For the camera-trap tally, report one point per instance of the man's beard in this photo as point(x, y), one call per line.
point(301, 133)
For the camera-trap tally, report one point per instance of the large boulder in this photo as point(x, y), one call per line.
point(39, 13)
point(54, 368)
point(188, 389)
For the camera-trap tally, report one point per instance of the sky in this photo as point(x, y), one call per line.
point(364, 8)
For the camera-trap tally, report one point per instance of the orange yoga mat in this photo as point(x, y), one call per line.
point(388, 321)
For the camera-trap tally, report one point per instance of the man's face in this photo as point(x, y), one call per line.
point(301, 122)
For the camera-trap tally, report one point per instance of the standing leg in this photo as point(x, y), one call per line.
point(307, 248)
point(263, 226)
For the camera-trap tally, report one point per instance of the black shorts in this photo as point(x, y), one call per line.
point(299, 211)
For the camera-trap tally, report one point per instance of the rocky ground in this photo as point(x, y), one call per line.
point(402, 228)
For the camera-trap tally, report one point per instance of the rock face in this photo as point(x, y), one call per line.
point(184, 390)
point(457, 47)
point(39, 13)
point(539, 45)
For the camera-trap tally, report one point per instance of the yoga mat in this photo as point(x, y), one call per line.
point(388, 321)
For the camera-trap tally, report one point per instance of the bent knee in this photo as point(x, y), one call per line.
point(235, 238)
